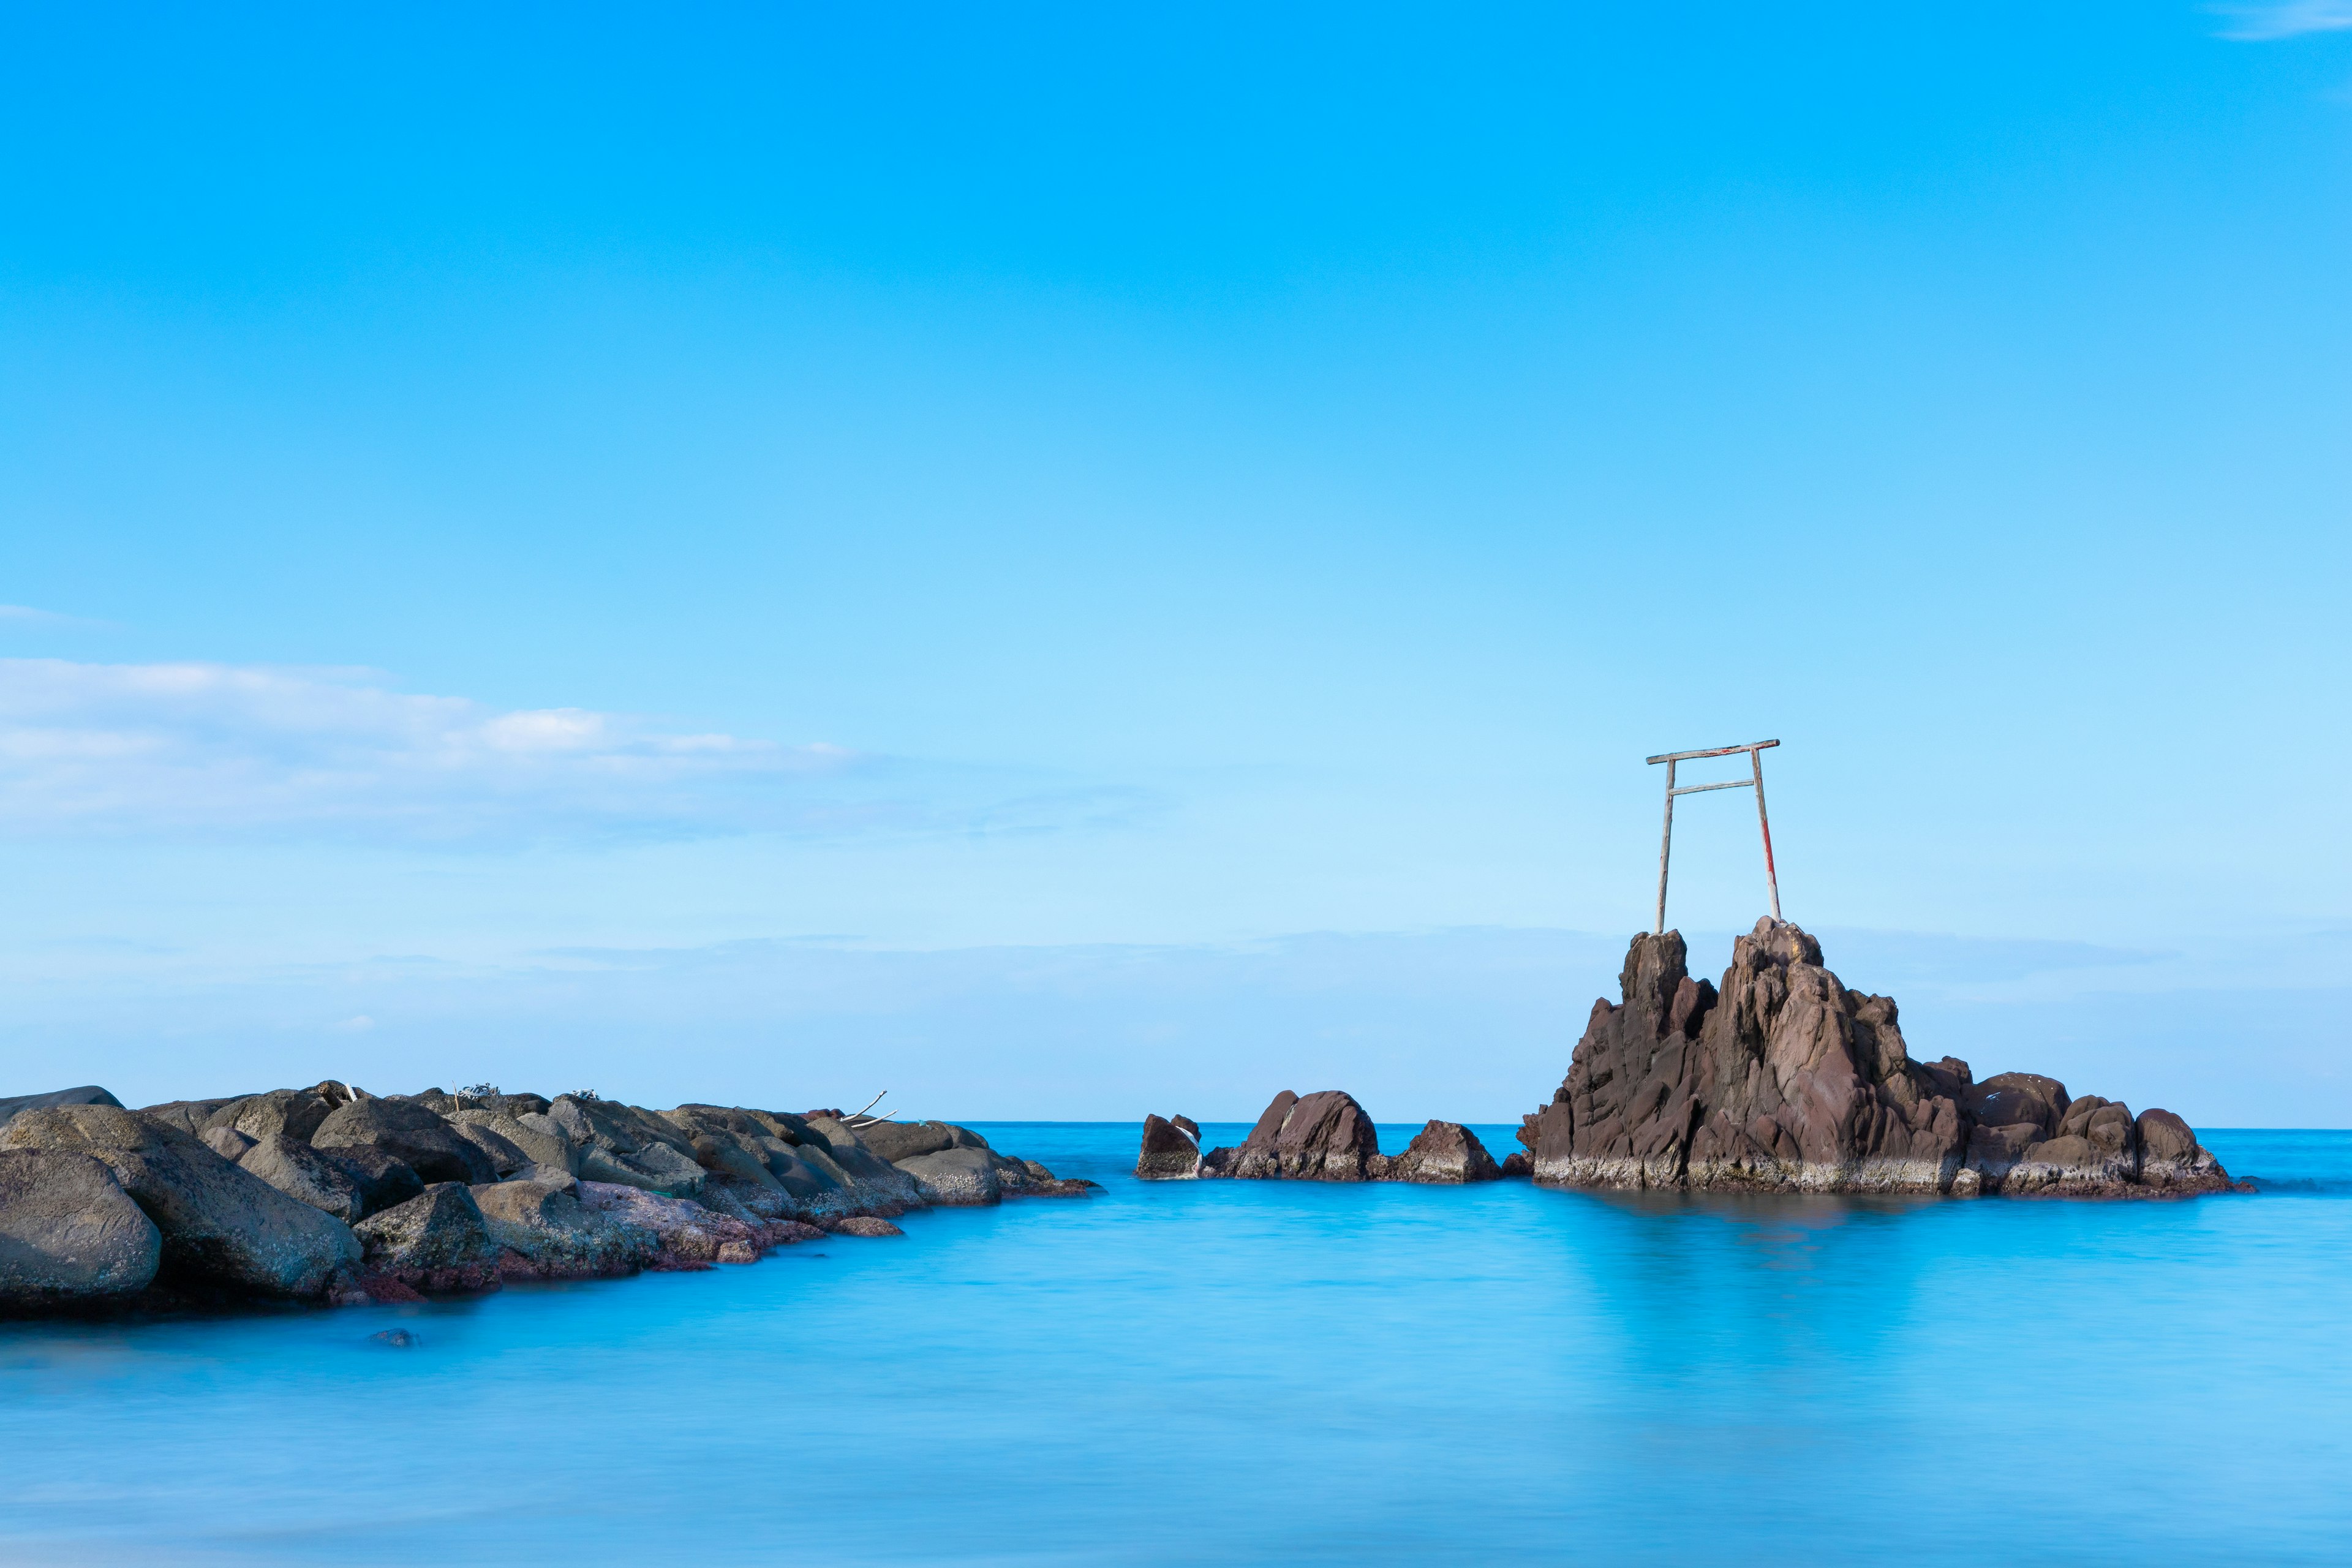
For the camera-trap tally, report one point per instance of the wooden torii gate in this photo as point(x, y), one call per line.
point(1755, 781)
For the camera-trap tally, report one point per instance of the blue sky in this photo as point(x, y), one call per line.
point(1063, 558)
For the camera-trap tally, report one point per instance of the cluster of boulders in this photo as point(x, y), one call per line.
point(1779, 1080)
point(1782, 1078)
point(330, 1194)
point(1321, 1137)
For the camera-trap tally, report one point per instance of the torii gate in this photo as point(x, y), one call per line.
point(1755, 781)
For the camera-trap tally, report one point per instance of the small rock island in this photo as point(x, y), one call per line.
point(329, 1195)
point(1779, 1079)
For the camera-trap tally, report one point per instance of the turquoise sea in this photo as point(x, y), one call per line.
point(1245, 1373)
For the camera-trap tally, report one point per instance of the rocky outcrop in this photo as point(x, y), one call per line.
point(435, 1241)
point(1446, 1152)
point(221, 1225)
point(322, 1193)
point(70, 1238)
point(1782, 1078)
point(1325, 1137)
point(1170, 1154)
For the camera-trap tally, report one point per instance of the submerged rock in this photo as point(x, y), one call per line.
point(221, 1225)
point(1443, 1152)
point(1787, 1079)
point(70, 1235)
point(863, 1224)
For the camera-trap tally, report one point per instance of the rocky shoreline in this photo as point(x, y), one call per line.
point(332, 1195)
point(1780, 1080)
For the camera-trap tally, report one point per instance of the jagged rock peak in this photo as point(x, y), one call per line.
point(1784, 1078)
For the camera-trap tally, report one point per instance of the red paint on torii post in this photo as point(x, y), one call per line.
point(1755, 781)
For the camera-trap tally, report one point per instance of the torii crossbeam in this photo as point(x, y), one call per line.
point(1755, 781)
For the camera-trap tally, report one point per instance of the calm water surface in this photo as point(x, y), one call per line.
point(1274, 1372)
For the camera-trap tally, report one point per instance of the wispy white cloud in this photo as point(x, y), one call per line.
point(211, 747)
point(24, 617)
point(2286, 19)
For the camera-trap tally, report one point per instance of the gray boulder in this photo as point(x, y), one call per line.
point(87, 1094)
point(870, 1176)
point(70, 1235)
point(622, 1144)
point(438, 1241)
point(411, 1133)
point(220, 1225)
point(187, 1115)
point(296, 1112)
point(557, 1237)
point(961, 1177)
point(1444, 1152)
point(386, 1181)
point(655, 1168)
point(306, 1176)
point(805, 1172)
point(537, 1141)
point(900, 1141)
point(505, 1155)
point(227, 1142)
point(1169, 1153)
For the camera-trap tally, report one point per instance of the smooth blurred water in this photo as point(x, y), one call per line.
point(1239, 1371)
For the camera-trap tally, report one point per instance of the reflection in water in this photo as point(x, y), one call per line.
point(1270, 1372)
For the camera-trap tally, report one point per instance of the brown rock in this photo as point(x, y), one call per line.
point(1785, 1079)
point(1444, 1152)
point(863, 1224)
point(1169, 1153)
point(1325, 1137)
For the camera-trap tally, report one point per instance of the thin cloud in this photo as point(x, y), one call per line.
point(209, 747)
point(243, 751)
point(2290, 19)
point(25, 615)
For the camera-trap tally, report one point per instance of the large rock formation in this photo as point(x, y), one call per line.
point(1785, 1079)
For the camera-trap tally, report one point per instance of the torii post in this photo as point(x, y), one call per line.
point(1755, 781)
